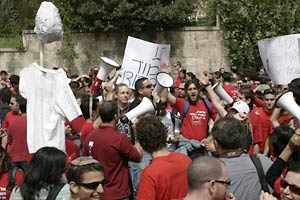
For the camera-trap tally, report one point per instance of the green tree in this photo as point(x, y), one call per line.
point(123, 15)
point(245, 22)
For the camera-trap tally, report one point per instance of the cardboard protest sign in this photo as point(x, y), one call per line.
point(142, 59)
point(281, 58)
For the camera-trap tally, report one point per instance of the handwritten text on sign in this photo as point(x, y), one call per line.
point(142, 59)
point(281, 57)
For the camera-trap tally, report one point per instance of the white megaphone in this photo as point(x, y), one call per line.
point(287, 102)
point(146, 106)
point(163, 80)
point(106, 66)
point(219, 90)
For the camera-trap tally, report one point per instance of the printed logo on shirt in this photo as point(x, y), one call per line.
point(197, 117)
point(2, 193)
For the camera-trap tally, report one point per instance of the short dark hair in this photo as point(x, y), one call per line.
point(5, 95)
point(202, 169)
point(107, 110)
point(228, 132)
point(280, 138)
point(14, 80)
point(21, 101)
point(139, 85)
point(226, 76)
point(77, 169)
point(22, 105)
point(85, 106)
point(151, 133)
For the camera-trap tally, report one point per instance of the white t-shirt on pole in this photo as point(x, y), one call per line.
point(49, 101)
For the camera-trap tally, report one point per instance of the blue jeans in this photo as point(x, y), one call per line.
point(135, 170)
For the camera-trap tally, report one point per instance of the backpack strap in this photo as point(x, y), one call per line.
point(12, 178)
point(260, 172)
point(185, 109)
point(54, 191)
point(208, 106)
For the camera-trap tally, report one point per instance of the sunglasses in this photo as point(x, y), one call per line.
point(293, 188)
point(226, 182)
point(92, 185)
point(180, 88)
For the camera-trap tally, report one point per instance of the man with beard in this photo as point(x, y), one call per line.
point(195, 122)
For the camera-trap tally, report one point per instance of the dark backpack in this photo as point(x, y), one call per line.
point(187, 106)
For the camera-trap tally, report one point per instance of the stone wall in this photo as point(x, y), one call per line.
point(198, 48)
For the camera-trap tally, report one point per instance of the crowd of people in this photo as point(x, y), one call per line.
point(193, 145)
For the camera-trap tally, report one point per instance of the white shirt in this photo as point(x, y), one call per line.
point(49, 101)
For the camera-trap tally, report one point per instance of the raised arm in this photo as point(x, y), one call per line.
point(213, 96)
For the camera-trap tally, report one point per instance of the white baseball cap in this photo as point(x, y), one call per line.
point(241, 107)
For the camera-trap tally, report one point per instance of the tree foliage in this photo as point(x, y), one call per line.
point(245, 22)
point(122, 15)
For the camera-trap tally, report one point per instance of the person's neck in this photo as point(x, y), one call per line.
point(268, 110)
point(197, 195)
point(111, 124)
point(161, 152)
point(122, 106)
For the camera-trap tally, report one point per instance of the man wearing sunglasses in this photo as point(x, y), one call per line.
point(208, 180)
point(289, 185)
point(86, 179)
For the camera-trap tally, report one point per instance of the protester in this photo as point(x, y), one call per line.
point(288, 146)
point(9, 176)
point(195, 120)
point(43, 175)
point(85, 176)
point(15, 111)
point(17, 137)
point(112, 150)
point(165, 177)
point(208, 180)
point(245, 183)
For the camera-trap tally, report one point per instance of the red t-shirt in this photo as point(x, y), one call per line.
point(256, 130)
point(8, 117)
point(194, 124)
point(165, 178)
point(86, 129)
point(113, 150)
point(232, 91)
point(4, 193)
point(17, 138)
point(264, 120)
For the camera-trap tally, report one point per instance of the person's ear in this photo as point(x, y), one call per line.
point(73, 187)
point(248, 101)
point(216, 144)
point(212, 187)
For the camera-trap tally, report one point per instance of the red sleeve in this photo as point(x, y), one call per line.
point(77, 123)
point(258, 102)
point(179, 105)
point(128, 151)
